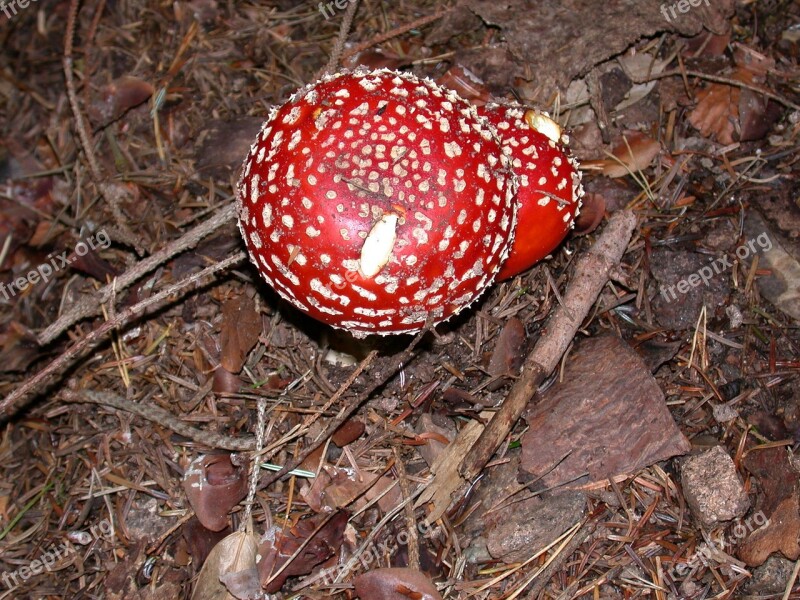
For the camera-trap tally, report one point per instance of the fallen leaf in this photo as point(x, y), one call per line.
point(336, 487)
point(118, 97)
point(213, 486)
point(438, 431)
point(241, 328)
point(348, 432)
point(776, 477)
point(593, 209)
point(634, 153)
point(778, 502)
point(278, 545)
point(509, 352)
point(395, 584)
point(717, 110)
point(236, 554)
point(781, 534)
point(225, 382)
point(468, 85)
point(200, 541)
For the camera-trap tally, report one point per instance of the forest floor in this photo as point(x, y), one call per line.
point(660, 460)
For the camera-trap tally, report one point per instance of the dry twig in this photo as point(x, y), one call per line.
point(20, 396)
point(111, 193)
point(92, 306)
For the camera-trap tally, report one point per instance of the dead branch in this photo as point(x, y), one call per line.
point(111, 194)
point(20, 396)
point(91, 306)
point(156, 414)
point(725, 81)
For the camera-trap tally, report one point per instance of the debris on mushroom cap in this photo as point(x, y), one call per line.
point(376, 202)
point(549, 183)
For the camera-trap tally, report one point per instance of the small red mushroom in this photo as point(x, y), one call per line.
point(377, 202)
point(550, 190)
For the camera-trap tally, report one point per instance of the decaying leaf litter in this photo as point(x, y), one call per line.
point(688, 118)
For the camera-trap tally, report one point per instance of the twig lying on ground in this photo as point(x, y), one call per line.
point(20, 396)
point(156, 414)
point(726, 81)
point(110, 193)
point(385, 37)
point(591, 274)
point(92, 306)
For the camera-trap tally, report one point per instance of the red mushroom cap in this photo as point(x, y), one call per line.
point(375, 201)
point(549, 192)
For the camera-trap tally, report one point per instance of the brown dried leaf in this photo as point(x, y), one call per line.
point(200, 541)
point(241, 327)
point(467, 84)
point(780, 534)
point(395, 584)
point(583, 424)
point(118, 97)
point(349, 432)
point(634, 153)
point(593, 209)
point(757, 115)
point(387, 500)
point(213, 486)
point(438, 431)
point(335, 488)
point(716, 112)
point(278, 545)
point(225, 382)
point(509, 350)
point(776, 476)
point(236, 554)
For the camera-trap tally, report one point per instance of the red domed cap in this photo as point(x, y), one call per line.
point(375, 201)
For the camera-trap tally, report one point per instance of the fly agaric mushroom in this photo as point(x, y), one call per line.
point(550, 191)
point(376, 202)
